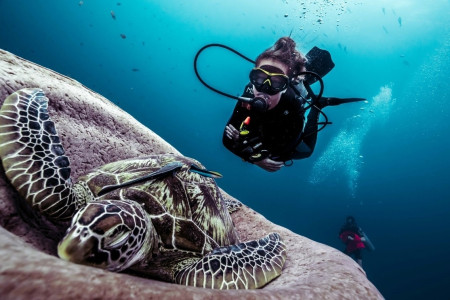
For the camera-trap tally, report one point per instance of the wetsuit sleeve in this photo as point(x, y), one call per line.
point(235, 120)
point(239, 146)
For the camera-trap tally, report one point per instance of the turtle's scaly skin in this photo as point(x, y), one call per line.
point(174, 227)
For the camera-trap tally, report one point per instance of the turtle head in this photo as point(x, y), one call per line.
point(109, 234)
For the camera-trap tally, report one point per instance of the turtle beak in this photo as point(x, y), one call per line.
point(78, 250)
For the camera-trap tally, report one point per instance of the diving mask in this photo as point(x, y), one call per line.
point(269, 83)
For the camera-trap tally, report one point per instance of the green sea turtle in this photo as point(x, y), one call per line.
point(160, 216)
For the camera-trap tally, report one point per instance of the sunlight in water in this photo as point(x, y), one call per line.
point(344, 151)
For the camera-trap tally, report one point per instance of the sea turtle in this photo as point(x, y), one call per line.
point(160, 216)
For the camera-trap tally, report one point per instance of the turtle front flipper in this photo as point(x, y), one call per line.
point(32, 155)
point(248, 265)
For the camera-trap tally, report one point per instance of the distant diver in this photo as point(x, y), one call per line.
point(355, 239)
point(267, 125)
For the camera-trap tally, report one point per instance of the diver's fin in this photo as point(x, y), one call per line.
point(333, 101)
point(204, 172)
point(320, 62)
point(167, 169)
point(368, 243)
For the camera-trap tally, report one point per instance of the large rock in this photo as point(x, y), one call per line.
point(94, 131)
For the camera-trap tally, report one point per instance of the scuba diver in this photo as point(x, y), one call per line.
point(267, 127)
point(354, 239)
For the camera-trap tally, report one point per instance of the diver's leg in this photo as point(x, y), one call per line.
point(358, 256)
point(359, 261)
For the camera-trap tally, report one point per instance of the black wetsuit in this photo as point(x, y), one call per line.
point(275, 133)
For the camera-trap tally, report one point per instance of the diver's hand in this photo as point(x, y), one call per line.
point(269, 165)
point(231, 132)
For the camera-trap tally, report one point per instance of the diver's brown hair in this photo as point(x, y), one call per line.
point(284, 51)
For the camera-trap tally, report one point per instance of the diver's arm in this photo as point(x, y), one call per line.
point(247, 153)
point(231, 132)
point(230, 141)
point(231, 138)
point(269, 164)
point(247, 148)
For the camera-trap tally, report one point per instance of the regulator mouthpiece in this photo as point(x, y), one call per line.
point(258, 104)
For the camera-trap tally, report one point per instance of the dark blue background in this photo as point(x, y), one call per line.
point(397, 147)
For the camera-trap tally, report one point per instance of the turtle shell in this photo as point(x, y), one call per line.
point(186, 208)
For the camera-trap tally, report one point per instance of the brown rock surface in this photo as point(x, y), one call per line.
point(94, 131)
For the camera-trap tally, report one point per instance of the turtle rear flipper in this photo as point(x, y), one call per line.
point(248, 265)
point(232, 204)
point(32, 155)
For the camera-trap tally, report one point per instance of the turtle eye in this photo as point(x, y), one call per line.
point(117, 238)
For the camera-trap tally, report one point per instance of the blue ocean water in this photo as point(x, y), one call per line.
point(385, 161)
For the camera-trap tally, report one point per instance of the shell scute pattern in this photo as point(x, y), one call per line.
point(164, 226)
point(148, 201)
point(188, 236)
point(186, 208)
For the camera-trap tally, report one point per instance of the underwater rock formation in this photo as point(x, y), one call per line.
point(94, 131)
